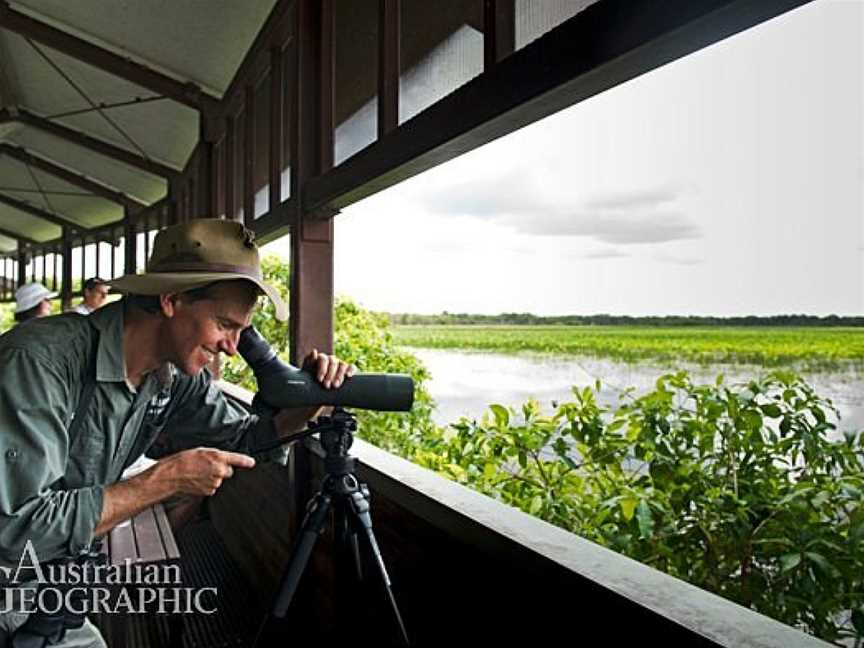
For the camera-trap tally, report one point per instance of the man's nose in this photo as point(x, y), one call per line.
point(229, 343)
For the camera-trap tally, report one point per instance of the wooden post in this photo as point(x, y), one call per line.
point(113, 255)
point(499, 37)
point(311, 323)
point(22, 265)
point(130, 261)
point(311, 315)
point(277, 97)
point(228, 179)
point(205, 202)
point(66, 279)
point(248, 187)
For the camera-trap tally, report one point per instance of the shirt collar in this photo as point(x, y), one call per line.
point(110, 362)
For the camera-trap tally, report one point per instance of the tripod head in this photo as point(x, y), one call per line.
point(336, 433)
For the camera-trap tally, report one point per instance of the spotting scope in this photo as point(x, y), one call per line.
point(281, 385)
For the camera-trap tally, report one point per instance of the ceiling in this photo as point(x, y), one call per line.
point(194, 41)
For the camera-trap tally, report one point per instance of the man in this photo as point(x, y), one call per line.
point(125, 374)
point(32, 301)
point(95, 294)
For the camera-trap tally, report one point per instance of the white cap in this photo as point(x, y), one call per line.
point(30, 295)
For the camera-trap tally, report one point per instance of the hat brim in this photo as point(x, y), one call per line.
point(159, 283)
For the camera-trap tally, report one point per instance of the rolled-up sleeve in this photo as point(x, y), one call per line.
point(204, 416)
point(34, 445)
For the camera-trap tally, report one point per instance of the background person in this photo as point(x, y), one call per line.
point(32, 300)
point(95, 294)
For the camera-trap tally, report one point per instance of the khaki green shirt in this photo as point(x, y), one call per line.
point(51, 485)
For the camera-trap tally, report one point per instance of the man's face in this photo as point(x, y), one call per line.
point(95, 297)
point(196, 331)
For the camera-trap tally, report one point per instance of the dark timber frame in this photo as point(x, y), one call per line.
point(241, 153)
point(606, 44)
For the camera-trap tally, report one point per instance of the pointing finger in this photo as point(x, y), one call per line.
point(237, 459)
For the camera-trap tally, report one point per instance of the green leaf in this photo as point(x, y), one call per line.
point(617, 424)
point(771, 410)
point(523, 459)
point(819, 501)
point(489, 470)
point(628, 506)
point(536, 505)
point(502, 416)
point(646, 521)
point(789, 561)
point(570, 463)
point(822, 563)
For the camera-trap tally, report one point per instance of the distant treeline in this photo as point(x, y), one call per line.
point(622, 320)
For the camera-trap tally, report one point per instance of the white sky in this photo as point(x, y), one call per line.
point(728, 182)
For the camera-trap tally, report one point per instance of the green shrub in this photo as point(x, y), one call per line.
point(737, 489)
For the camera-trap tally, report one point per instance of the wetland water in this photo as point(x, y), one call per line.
point(467, 382)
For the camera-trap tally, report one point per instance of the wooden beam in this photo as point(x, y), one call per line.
point(70, 176)
point(94, 144)
point(184, 92)
point(388, 65)
point(33, 210)
point(607, 44)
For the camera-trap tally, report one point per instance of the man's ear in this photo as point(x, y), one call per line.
point(168, 304)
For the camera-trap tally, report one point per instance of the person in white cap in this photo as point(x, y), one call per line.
point(32, 301)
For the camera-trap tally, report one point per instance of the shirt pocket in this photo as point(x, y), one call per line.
point(91, 449)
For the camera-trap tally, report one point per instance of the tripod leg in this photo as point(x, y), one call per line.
point(313, 524)
point(346, 536)
point(360, 508)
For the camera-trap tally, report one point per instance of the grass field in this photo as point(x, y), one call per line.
point(813, 348)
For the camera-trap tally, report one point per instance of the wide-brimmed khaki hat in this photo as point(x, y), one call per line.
point(199, 252)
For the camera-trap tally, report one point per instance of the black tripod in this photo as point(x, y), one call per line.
point(343, 494)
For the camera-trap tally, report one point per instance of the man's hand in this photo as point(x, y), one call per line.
point(200, 471)
point(197, 472)
point(329, 370)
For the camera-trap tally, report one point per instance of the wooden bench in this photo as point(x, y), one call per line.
point(145, 538)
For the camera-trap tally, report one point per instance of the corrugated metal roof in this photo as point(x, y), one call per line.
point(194, 41)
